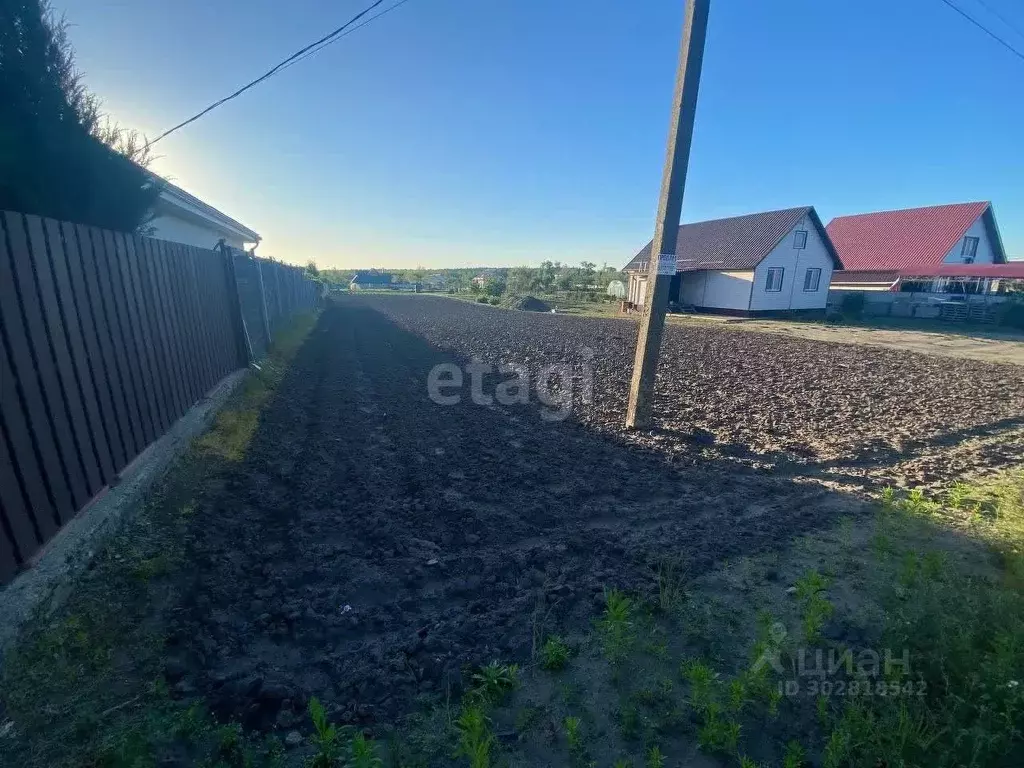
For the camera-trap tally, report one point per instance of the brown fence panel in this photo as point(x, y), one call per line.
point(74, 330)
point(32, 371)
point(139, 352)
point(107, 305)
point(22, 484)
point(203, 323)
point(179, 308)
point(109, 441)
point(175, 332)
point(213, 298)
point(148, 344)
point(72, 405)
point(167, 349)
point(17, 530)
point(106, 339)
point(125, 339)
point(105, 364)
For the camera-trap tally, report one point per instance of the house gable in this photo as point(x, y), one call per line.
point(989, 248)
point(817, 256)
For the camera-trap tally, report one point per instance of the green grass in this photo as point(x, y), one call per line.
point(960, 626)
point(944, 593)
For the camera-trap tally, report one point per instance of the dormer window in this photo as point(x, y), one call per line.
point(969, 250)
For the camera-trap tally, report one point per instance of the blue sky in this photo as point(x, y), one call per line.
point(498, 132)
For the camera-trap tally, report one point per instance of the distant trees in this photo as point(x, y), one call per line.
point(522, 280)
point(586, 281)
point(493, 287)
point(59, 155)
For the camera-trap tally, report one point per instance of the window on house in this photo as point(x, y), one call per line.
point(969, 249)
point(773, 284)
point(800, 241)
point(812, 279)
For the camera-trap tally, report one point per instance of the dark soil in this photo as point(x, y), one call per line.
point(373, 544)
point(855, 416)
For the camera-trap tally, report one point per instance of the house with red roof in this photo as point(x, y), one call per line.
point(761, 262)
point(942, 248)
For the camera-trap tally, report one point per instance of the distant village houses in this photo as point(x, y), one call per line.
point(787, 261)
point(370, 280)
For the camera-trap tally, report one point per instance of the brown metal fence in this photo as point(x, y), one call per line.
point(107, 339)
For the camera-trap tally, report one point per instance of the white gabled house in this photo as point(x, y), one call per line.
point(183, 218)
point(761, 262)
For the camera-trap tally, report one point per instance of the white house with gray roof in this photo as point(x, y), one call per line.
point(761, 262)
point(184, 218)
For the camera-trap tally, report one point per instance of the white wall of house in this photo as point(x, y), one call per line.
point(984, 255)
point(177, 230)
point(637, 290)
point(794, 264)
point(716, 289)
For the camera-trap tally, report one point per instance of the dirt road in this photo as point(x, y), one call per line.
point(991, 346)
point(373, 542)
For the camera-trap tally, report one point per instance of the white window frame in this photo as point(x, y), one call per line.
point(800, 239)
point(969, 249)
point(770, 279)
point(814, 272)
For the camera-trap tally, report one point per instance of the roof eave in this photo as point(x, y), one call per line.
point(183, 201)
point(989, 216)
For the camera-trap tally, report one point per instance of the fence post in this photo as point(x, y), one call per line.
point(242, 346)
point(263, 299)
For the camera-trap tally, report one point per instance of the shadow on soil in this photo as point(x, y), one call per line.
point(373, 544)
point(370, 546)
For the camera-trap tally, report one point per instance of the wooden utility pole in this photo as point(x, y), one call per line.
point(662, 266)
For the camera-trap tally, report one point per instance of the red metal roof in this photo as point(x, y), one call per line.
point(910, 239)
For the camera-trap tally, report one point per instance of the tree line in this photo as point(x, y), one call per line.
point(550, 277)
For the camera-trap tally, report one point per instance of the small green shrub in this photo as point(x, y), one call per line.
point(492, 682)
point(616, 626)
point(475, 738)
point(816, 607)
point(572, 733)
point(325, 736)
point(363, 753)
point(702, 680)
point(655, 759)
point(794, 757)
point(554, 654)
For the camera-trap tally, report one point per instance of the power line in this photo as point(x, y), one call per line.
point(1002, 18)
point(985, 29)
point(346, 33)
point(300, 54)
